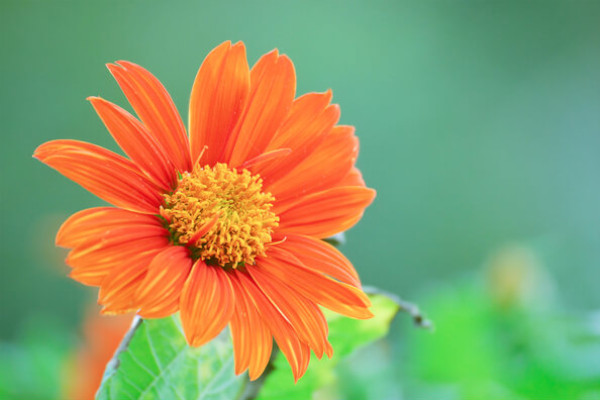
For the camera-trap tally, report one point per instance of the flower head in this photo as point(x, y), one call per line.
point(225, 225)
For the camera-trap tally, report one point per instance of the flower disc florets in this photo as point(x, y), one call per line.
point(221, 214)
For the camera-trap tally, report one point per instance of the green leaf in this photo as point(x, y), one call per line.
point(155, 362)
point(346, 335)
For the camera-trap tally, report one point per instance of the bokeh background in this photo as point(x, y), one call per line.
point(479, 124)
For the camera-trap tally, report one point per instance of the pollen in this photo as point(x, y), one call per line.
point(221, 214)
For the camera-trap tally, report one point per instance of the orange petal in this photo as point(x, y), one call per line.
point(322, 169)
point(135, 140)
point(93, 222)
point(272, 89)
point(352, 178)
point(95, 260)
point(325, 213)
point(304, 315)
point(118, 289)
point(156, 109)
point(91, 275)
point(108, 175)
point(295, 351)
point(158, 294)
point(114, 246)
point(265, 158)
point(218, 98)
point(309, 119)
point(252, 339)
point(204, 229)
point(322, 257)
point(207, 303)
point(336, 296)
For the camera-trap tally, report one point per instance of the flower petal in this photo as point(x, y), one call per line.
point(94, 260)
point(158, 294)
point(93, 222)
point(321, 257)
point(266, 157)
point(336, 296)
point(156, 109)
point(352, 178)
point(304, 315)
point(108, 175)
point(207, 303)
point(252, 339)
point(135, 140)
point(114, 246)
point(118, 289)
point(272, 90)
point(322, 169)
point(309, 119)
point(295, 351)
point(218, 98)
point(325, 213)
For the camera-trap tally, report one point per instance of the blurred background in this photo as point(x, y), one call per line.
point(479, 124)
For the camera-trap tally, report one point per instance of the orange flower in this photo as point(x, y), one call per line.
point(224, 227)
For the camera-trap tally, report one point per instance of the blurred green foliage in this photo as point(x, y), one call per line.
point(33, 367)
point(501, 334)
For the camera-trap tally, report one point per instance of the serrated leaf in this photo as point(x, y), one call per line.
point(157, 363)
point(346, 335)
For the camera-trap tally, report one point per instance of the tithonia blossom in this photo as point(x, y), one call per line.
point(224, 225)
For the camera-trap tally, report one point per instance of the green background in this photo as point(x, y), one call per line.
point(479, 124)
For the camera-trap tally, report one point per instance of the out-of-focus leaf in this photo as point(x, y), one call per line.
point(31, 367)
point(500, 350)
point(345, 335)
point(157, 363)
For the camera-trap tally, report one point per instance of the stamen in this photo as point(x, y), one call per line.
point(221, 214)
point(201, 153)
point(278, 242)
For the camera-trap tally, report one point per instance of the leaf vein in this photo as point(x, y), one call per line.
point(161, 373)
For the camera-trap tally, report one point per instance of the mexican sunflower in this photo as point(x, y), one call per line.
point(224, 225)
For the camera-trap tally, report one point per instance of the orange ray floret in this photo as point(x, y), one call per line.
point(309, 113)
point(218, 98)
point(158, 294)
point(224, 226)
point(156, 110)
point(207, 303)
point(135, 140)
point(252, 339)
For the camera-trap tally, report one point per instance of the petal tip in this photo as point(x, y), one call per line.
point(41, 152)
point(239, 43)
point(125, 65)
point(373, 193)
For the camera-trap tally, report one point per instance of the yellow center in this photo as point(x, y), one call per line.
point(221, 214)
